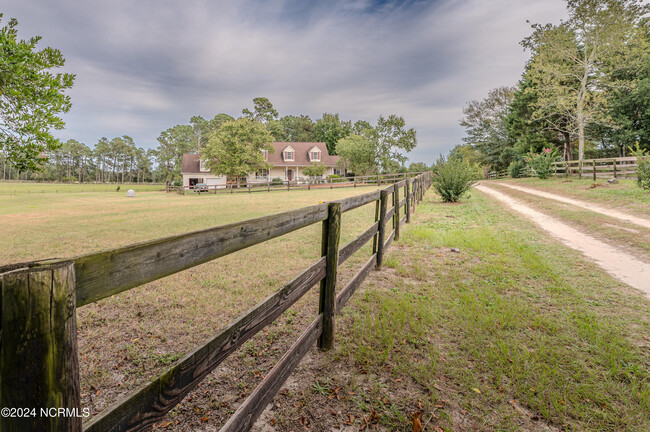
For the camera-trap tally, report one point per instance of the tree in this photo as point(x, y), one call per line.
point(330, 129)
point(314, 170)
point(172, 144)
point(31, 98)
point(293, 129)
point(572, 67)
point(236, 149)
point(391, 138)
point(263, 111)
point(358, 154)
point(486, 128)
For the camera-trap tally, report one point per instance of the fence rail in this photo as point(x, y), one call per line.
point(39, 301)
point(270, 185)
point(625, 167)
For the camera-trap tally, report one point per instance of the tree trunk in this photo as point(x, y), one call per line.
point(568, 151)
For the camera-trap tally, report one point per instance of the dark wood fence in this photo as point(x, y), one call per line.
point(306, 184)
point(38, 353)
point(625, 167)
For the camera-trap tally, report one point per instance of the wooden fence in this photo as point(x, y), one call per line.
point(604, 168)
point(594, 168)
point(38, 352)
point(308, 184)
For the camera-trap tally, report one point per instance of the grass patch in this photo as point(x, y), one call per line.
point(513, 326)
point(624, 196)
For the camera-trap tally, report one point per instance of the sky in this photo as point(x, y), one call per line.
point(144, 66)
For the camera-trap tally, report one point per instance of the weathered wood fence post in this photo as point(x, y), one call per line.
point(396, 204)
point(330, 250)
point(614, 168)
point(38, 359)
point(593, 164)
point(383, 204)
point(407, 191)
point(580, 170)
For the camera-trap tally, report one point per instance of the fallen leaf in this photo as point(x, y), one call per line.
point(477, 390)
point(417, 422)
point(204, 419)
point(165, 424)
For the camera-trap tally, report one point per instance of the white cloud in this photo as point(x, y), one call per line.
point(145, 66)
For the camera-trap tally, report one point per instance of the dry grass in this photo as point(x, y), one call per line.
point(625, 196)
point(126, 339)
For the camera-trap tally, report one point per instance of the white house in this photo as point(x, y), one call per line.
point(287, 161)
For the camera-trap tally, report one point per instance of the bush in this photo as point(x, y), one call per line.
point(336, 178)
point(517, 169)
point(453, 178)
point(542, 162)
point(642, 166)
point(277, 182)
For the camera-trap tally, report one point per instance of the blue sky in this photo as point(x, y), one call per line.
point(145, 66)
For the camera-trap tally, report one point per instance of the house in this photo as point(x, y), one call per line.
point(287, 162)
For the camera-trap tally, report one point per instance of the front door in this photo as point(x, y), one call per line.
point(289, 175)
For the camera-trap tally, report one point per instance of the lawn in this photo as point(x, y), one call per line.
point(513, 332)
point(18, 188)
point(624, 196)
point(129, 338)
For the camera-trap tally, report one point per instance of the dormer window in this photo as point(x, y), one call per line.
point(314, 154)
point(289, 153)
point(266, 154)
point(202, 166)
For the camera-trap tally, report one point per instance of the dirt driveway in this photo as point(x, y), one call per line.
point(621, 265)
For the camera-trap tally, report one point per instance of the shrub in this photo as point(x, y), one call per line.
point(277, 182)
point(517, 169)
point(542, 162)
point(453, 178)
point(336, 178)
point(642, 166)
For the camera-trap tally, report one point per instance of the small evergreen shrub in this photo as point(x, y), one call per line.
point(336, 178)
point(542, 162)
point(517, 169)
point(643, 166)
point(277, 182)
point(452, 178)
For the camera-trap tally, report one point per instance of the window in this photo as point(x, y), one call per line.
point(315, 155)
point(339, 172)
point(202, 166)
point(262, 173)
point(266, 154)
point(288, 155)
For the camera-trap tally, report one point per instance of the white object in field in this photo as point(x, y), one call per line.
point(130, 193)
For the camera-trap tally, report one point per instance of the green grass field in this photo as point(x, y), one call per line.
point(625, 196)
point(515, 332)
point(29, 188)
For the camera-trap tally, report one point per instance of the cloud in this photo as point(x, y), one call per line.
point(145, 66)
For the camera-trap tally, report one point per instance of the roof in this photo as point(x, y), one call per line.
point(191, 162)
point(301, 158)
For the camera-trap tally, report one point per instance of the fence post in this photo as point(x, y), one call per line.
point(396, 204)
point(378, 180)
point(355, 181)
point(580, 170)
point(383, 204)
point(376, 236)
point(330, 250)
point(593, 164)
point(407, 206)
point(38, 359)
point(566, 169)
point(331, 181)
point(614, 168)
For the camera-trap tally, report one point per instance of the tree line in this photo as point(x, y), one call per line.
point(32, 99)
point(585, 90)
